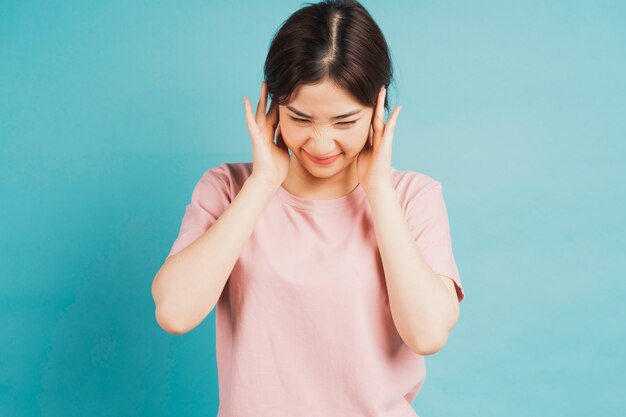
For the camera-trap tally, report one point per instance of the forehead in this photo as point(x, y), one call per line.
point(323, 100)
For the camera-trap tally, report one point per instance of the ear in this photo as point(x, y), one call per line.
point(279, 138)
point(277, 134)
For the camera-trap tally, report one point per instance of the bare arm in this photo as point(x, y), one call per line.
point(189, 283)
point(424, 305)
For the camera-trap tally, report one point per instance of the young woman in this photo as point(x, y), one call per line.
point(332, 273)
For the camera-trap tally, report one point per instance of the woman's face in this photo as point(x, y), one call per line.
point(310, 125)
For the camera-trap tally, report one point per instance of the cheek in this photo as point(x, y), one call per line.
point(364, 131)
point(287, 131)
point(359, 137)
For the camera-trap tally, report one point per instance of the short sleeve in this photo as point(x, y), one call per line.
point(427, 217)
point(209, 198)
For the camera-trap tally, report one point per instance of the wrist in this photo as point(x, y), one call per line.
point(380, 188)
point(263, 183)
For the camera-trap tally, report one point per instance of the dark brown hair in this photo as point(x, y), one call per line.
point(337, 40)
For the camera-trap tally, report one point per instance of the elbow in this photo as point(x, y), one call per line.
point(166, 323)
point(173, 315)
point(163, 318)
point(170, 319)
point(429, 346)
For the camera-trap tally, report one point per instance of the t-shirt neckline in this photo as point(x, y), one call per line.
point(353, 197)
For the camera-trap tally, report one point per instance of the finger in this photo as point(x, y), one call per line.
point(378, 122)
point(271, 118)
point(379, 119)
point(260, 109)
point(391, 124)
point(250, 122)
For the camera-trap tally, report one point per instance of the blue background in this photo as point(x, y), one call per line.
point(111, 111)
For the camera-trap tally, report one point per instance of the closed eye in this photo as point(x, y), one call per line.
point(340, 123)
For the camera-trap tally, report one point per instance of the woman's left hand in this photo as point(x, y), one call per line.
point(374, 160)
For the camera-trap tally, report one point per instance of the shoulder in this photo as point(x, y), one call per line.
point(235, 172)
point(228, 175)
point(410, 184)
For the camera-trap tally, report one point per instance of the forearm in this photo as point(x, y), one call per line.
point(420, 303)
point(189, 283)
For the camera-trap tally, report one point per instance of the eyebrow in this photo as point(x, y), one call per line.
point(341, 116)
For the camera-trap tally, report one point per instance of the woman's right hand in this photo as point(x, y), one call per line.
point(270, 161)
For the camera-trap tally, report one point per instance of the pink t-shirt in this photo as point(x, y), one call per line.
point(303, 325)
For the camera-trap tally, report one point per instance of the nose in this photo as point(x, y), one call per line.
point(323, 143)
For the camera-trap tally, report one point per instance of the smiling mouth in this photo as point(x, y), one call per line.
point(324, 158)
point(323, 161)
